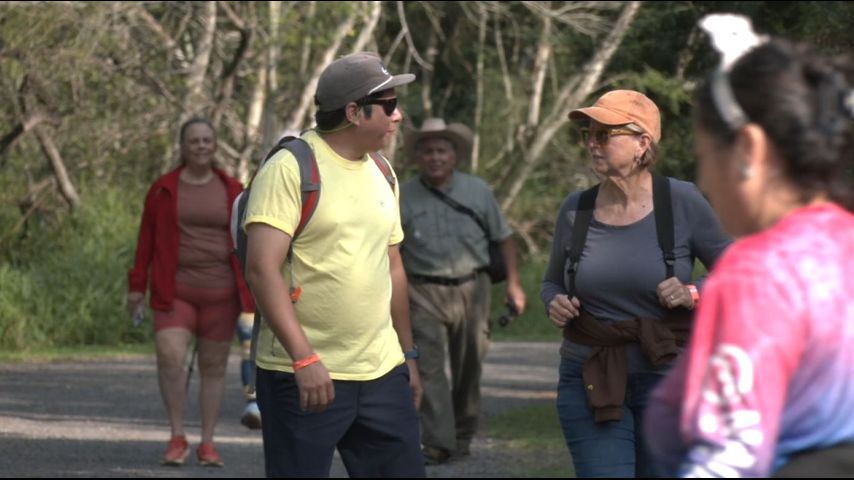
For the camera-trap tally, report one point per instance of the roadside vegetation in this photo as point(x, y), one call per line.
point(91, 94)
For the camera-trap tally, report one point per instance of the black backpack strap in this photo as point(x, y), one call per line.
point(583, 215)
point(663, 207)
point(385, 168)
point(456, 205)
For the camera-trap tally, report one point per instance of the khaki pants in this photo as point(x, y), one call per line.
point(456, 318)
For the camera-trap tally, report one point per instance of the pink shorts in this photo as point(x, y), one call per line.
point(210, 313)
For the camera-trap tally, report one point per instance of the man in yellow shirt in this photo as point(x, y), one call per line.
point(336, 360)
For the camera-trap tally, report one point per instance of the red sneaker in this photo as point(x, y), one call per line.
point(206, 453)
point(176, 451)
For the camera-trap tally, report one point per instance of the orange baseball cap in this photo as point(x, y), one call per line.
point(619, 107)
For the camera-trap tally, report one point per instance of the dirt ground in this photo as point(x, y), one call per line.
point(104, 418)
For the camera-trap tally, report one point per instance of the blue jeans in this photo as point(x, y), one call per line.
point(608, 449)
point(372, 423)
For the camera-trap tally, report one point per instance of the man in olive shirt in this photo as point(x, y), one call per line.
point(445, 251)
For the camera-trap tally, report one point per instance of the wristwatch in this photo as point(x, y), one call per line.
point(411, 354)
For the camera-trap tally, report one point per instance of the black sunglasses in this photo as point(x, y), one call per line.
point(389, 104)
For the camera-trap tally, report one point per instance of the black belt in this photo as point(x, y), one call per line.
point(445, 280)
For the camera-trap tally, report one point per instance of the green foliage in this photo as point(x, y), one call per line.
point(75, 353)
point(536, 430)
point(66, 285)
point(114, 77)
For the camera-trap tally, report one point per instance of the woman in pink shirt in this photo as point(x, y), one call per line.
point(768, 378)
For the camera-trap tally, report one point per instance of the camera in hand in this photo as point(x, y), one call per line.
point(511, 313)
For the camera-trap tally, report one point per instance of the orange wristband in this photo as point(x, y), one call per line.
point(695, 295)
point(300, 364)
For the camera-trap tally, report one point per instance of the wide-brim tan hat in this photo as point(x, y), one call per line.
point(457, 133)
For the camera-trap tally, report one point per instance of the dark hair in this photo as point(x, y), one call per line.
point(327, 121)
point(193, 121)
point(332, 120)
point(798, 98)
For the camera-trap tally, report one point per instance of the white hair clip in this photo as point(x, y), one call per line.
point(733, 36)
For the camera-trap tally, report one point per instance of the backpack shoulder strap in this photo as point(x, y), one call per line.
point(309, 176)
point(385, 168)
point(583, 215)
point(309, 180)
point(310, 195)
point(663, 207)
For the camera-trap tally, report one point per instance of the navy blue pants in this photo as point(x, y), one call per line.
point(373, 424)
point(607, 449)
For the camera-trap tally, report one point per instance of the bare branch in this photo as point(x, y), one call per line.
point(571, 94)
point(296, 119)
point(66, 188)
point(194, 99)
point(478, 107)
point(368, 30)
point(580, 16)
point(412, 50)
point(233, 16)
point(307, 39)
point(155, 27)
point(541, 62)
point(33, 119)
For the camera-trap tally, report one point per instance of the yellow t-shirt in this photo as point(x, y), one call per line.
point(340, 260)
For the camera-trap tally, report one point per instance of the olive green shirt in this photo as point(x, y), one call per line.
point(440, 241)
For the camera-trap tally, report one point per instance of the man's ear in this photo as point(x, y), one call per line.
point(352, 113)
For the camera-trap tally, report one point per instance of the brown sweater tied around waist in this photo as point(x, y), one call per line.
point(605, 372)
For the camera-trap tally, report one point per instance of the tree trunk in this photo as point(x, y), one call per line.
point(295, 122)
point(368, 31)
point(253, 122)
point(32, 121)
point(541, 62)
point(66, 188)
point(195, 100)
point(573, 92)
point(307, 39)
point(270, 124)
point(478, 106)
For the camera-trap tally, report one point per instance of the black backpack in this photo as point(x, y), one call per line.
point(310, 193)
point(662, 209)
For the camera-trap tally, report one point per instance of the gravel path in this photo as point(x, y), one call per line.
point(104, 418)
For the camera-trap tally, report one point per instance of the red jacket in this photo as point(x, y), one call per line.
point(158, 243)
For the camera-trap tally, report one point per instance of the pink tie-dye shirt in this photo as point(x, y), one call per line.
point(770, 367)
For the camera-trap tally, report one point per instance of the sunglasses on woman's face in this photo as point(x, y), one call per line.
point(602, 135)
point(388, 104)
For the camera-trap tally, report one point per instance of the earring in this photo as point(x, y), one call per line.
point(746, 172)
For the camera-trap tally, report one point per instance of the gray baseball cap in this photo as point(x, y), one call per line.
point(352, 77)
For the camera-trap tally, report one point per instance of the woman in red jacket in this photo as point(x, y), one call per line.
point(185, 256)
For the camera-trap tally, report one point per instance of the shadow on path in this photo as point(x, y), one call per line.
point(105, 418)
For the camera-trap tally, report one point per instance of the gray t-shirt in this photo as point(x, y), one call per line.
point(440, 241)
point(621, 266)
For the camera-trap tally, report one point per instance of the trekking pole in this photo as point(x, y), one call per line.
point(190, 368)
